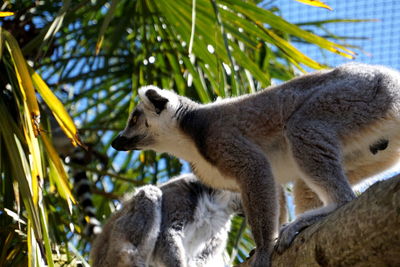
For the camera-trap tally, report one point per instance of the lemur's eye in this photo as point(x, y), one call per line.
point(133, 120)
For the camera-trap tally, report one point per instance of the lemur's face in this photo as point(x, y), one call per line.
point(136, 134)
point(149, 123)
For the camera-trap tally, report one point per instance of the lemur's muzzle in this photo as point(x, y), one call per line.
point(121, 143)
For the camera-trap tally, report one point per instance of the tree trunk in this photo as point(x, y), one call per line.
point(364, 232)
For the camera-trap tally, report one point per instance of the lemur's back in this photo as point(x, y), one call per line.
point(346, 97)
point(358, 104)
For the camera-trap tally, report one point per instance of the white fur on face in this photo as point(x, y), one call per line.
point(163, 127)
point(157, 130)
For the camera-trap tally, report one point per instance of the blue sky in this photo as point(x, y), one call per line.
point(383, 43)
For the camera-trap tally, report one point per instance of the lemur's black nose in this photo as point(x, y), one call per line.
point(120, 143)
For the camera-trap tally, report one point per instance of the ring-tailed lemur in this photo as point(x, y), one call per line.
point(318, 127)
point(181, 223)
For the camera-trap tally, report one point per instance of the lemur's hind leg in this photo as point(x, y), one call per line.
point(316, 150)
point(304, 198)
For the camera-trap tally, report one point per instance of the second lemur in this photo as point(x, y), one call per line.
point(182, 223)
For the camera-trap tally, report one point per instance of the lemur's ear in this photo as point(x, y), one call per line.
point(157, 100)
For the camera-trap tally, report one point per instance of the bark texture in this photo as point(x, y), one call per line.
point(364, 232)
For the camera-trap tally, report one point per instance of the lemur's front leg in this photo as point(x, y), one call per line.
point(245, 162)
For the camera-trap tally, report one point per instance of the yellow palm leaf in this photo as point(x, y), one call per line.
point(6, 14)
point(57, 108)
point(62, 179)
point(34, 151)
point(31, 244)
point(316, 3)
point(24, 79)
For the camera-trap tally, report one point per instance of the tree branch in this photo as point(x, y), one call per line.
point(364, 232)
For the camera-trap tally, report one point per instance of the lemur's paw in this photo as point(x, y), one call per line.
point(289, 231)
point(287, 234)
